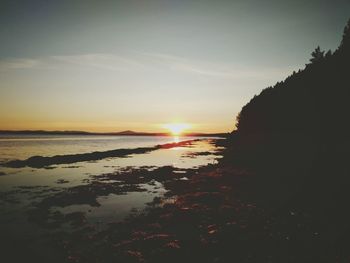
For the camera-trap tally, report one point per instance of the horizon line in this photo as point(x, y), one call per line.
point(123, 132)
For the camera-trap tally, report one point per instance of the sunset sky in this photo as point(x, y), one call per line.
point(136, 65)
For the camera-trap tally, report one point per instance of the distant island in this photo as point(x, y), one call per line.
point(122, 133)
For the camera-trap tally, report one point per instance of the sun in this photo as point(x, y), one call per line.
point(176, 129)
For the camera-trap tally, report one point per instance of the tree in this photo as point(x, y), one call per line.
point(346, 37)
point(317, 55)
point(328, 54)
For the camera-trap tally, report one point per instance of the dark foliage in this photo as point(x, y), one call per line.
point(312, 100)
point(295, 136)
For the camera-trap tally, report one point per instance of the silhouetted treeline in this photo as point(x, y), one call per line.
point(312, 100)
point(295, 138)
point(310, 108)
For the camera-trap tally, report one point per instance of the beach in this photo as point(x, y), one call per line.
point(44, 205)
point(178, 201)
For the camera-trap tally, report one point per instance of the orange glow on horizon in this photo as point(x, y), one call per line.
point(177, 129)
point(107, 126)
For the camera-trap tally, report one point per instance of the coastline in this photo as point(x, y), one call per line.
point(50, 208)
point(42, 161)
point(202, 216)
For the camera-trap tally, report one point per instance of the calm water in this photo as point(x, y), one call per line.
point(22, 188)
point(30, 198)
point(24, 146)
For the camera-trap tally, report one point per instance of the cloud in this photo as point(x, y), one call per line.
point(219, 70)
point(101, 61)
point(152, 63)
point(18, 63)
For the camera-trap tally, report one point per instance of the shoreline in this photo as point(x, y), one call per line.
point(194, 218)
point(205, 214)
point(42, 161)
point(64, 229)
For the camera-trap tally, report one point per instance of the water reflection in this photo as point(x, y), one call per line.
point(108, 190)
point(23, 147)
point(176, 139)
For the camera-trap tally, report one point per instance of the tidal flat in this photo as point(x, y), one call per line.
point(46, 209)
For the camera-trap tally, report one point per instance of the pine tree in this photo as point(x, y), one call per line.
point(317, 55)
point(346, 37)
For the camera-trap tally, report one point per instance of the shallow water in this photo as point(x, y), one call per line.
point(48, 190)
point(24, 146)
point(76, 173)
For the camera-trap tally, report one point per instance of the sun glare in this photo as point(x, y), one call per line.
point(176, 128)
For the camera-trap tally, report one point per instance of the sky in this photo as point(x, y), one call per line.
point(108, 66)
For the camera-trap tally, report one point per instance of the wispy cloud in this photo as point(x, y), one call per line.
point(18, 63)
point(150, 63)
point(100, 61)
point(221, 70)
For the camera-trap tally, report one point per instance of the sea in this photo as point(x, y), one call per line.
point(14, 147)
point(32, 198)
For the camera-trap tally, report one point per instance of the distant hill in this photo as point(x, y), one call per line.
point(122, 133)
point(128, 132)
point(43, 132)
